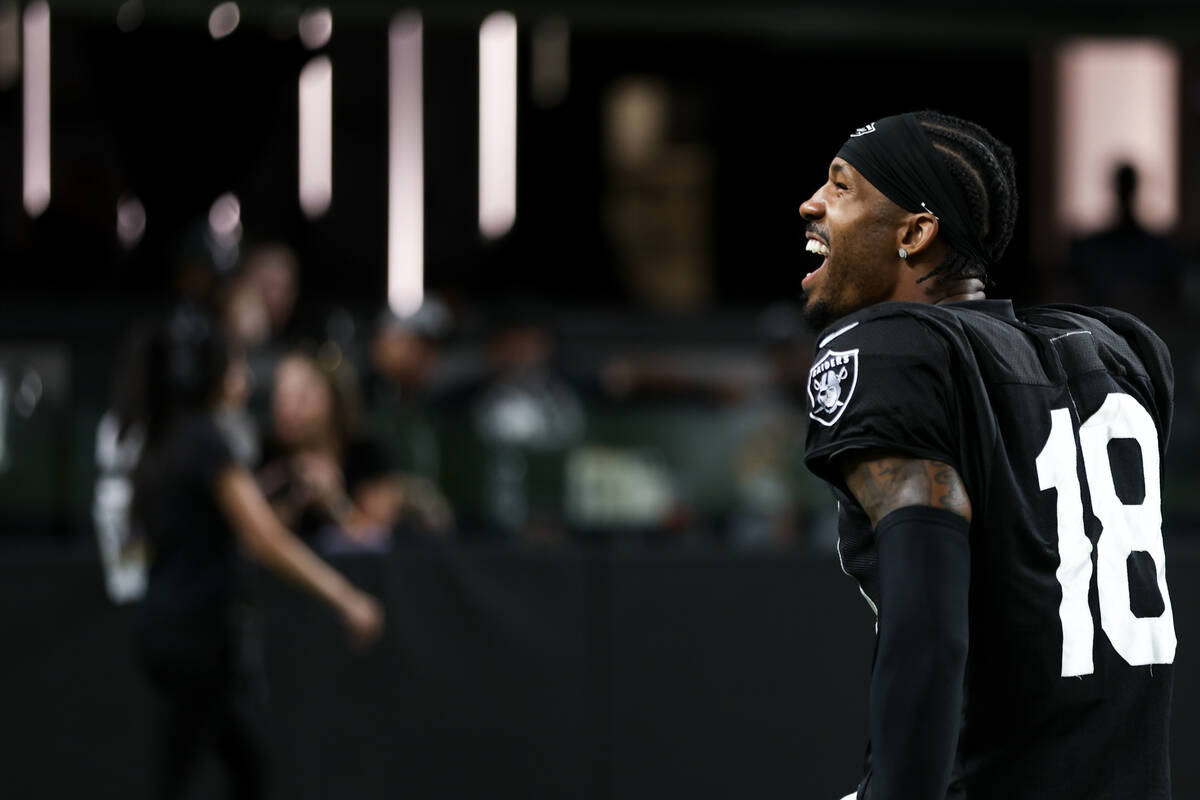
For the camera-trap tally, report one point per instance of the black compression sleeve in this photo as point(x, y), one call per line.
point(917, 684)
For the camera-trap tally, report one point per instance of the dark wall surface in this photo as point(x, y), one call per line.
point(584, 675)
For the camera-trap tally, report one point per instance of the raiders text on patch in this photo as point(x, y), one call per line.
point(831, 384)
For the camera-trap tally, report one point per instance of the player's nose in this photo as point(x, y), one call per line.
point(813, 208)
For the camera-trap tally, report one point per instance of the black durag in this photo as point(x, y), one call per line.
point(896, 156)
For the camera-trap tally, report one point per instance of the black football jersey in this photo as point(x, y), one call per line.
point(1057, 419)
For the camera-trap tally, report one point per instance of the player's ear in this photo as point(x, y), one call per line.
point(917, 232)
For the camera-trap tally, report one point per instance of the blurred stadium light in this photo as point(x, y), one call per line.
point(316, 137)
point(316, 27)
point(224, 20)
point(497, 124)
point(131, 221)
point(37, 107)
point(225, 217)
point(406, 167)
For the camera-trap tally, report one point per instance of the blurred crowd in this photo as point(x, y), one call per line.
point(454, 424)
point(368, 430)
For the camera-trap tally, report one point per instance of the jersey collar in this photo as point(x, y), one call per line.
point(997, 308)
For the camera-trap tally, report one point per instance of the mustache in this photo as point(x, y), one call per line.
point(817, 230)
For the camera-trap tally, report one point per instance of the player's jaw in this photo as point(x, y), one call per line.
point(817, 311)
point(853, 271)
point(839, 283)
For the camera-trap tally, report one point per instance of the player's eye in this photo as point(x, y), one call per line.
point(841, 186)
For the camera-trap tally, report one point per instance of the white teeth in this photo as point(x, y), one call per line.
point(819, 248)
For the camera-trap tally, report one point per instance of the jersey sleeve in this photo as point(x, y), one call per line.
point(884, 383)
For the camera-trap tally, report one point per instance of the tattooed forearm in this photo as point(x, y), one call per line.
point(882, 483)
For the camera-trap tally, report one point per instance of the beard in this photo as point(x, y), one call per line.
point(817, 315)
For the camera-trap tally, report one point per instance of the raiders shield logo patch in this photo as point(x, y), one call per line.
point(831, 384)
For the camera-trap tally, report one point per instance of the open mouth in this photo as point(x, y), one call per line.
point(817, 247)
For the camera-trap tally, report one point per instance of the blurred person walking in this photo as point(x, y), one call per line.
point(194, 504)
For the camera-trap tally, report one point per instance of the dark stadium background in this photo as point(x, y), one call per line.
point(623, 667)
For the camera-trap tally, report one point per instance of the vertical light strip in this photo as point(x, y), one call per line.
point(37, 107)
point(316, 136)
point(497, 124)
point(406, 166)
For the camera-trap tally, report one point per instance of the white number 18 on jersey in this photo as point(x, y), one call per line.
point(1125, 529)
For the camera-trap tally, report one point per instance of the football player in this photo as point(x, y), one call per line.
point(999, 480)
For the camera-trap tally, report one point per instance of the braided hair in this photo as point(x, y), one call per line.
point(984, 168)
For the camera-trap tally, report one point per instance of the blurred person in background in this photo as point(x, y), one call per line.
point(119, 440)
point(776, 502)
point(245, 313)
point(273, 268)
point(259, 309)
point(526, 417)
point(337, 484)
point(197, 288)
point(234, 418)
point(1126, 265)
point(195, 504)
point(200, 264)
point(404, 354)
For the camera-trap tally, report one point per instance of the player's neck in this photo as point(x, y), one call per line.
point(958, 291)
point(935, 292)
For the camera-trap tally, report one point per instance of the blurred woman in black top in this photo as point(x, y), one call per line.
point(195, 505)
